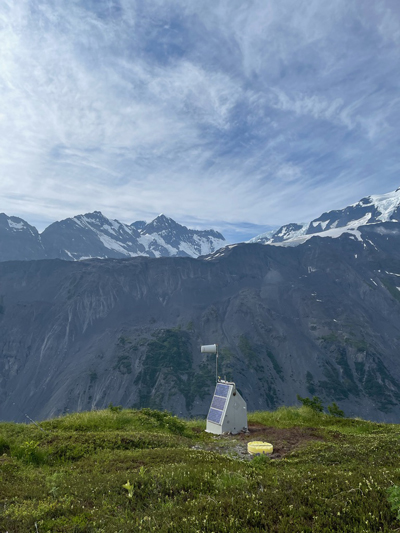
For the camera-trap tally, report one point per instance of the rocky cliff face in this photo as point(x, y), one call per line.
point(321, 318)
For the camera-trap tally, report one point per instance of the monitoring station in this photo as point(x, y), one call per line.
point(228, 410)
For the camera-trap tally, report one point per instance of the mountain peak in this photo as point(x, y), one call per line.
point(164, 218)
point(139, 224)
point(161, 223)
point(94, 214)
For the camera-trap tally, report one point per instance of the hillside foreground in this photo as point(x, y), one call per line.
point(143, 470)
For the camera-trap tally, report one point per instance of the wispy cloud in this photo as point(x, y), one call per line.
point(231, 114)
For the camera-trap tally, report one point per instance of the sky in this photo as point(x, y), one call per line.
point(237, 116)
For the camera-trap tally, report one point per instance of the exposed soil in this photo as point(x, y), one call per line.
point(284, 440)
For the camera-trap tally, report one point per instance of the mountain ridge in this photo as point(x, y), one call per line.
point(93, 235)
point(373, 209)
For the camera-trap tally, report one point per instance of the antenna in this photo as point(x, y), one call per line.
point(212, 348)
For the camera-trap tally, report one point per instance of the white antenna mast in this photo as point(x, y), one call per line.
point(212, 348)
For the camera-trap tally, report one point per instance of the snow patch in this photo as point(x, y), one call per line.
point(370, 242)
point(385, 204)
point(110, 229)
point(263, 236)
point(154, 241)
point(111, 244)
point(323, 223)
point(332, 233)
point(70, 255)
point(16, 225)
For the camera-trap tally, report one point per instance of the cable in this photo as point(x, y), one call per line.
point(29, 418)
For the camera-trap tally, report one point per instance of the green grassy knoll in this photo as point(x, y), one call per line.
point(142, 470)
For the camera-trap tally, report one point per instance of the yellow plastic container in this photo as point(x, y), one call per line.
point(259, 447)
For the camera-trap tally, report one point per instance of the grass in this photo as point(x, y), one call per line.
point(286, 417)
point(144, 470)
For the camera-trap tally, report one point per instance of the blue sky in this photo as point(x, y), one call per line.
point(234, 115)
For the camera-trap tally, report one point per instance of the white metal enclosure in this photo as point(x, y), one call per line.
point(228, 410)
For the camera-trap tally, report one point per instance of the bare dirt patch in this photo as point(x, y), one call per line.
point(284, 440)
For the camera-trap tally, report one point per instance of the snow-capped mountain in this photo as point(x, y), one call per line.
point(95, 236)
point(90, 235)
point(164, 233)
point(370, 210)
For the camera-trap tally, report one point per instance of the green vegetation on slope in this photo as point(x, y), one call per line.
point(145, 470)
point(168, 359)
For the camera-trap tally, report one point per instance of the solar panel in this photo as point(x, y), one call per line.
point(214, 415)
point(218, 403)
point(221, 390)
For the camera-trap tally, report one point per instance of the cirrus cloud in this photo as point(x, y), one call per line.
point(217, 113)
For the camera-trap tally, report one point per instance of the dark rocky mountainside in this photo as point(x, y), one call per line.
point(19, 240)
point(321, 318)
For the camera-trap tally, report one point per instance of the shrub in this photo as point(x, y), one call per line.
point(334, 410)
point(115, 408)
point(165, 419)
point(315, 403)
point(30, 453)
point(394, 499)
point(4, 446)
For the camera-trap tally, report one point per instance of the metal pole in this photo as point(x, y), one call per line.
point(216, 364)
